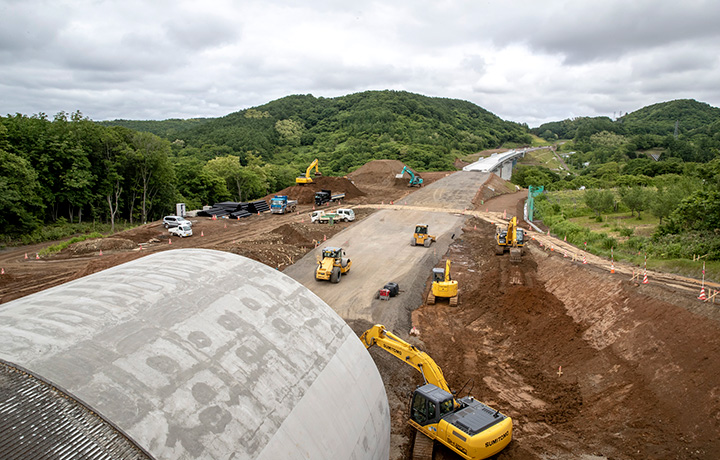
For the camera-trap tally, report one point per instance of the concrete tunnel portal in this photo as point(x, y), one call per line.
point(187, 354)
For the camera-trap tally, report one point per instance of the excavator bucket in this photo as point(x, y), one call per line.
point(399, 176)
point(515, 255)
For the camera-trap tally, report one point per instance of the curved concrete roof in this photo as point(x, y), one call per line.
point(205, 354)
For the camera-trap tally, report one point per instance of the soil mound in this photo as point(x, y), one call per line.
point(290, 235)
point(305, 194)
point(105, 244)
point(378, 172)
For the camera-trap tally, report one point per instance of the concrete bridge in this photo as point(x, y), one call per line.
point(499, 163)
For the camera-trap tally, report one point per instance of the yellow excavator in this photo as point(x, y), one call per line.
point(468, 427)
point(512, 238)
point(443, 286)
point(306, 179)
point(421, 237)
point(332, 265)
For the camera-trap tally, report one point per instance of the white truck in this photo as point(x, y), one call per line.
point(181, 230)
point(339, 215)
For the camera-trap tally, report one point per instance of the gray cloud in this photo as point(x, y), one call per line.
point(526, 61)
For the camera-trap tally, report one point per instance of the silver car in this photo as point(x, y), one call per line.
point(174, 221)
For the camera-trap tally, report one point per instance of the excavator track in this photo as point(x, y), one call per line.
point(422, 447)
point(454, 301)
point(431, 299)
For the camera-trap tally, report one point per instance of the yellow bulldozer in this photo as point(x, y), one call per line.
point(465, 425)
point(332, 265)
point(511, 238)
point(443, 286)
point(306, 179)
point(421, 237)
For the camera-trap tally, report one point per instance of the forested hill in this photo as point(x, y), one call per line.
point(347, 131)
point(659, 119)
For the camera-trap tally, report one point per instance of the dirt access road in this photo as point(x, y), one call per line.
point(380, 250)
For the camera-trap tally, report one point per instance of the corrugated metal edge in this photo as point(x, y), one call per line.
point(28, 431)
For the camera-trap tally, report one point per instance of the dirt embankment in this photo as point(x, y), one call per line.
point(587, 364)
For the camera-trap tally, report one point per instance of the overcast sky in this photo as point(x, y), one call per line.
point(526, 61)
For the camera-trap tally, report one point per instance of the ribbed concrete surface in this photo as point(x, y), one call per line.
point(204, 354)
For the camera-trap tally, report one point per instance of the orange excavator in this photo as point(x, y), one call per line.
point(468, 427)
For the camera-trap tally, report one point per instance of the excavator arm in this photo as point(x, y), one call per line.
point(306, 178)
point(378, 335)
point(314, 164)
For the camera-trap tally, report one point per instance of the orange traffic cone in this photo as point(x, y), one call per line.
point(700, 297)
point(475, 227)
point(26, 256)
point(324, 237)
point(169, 241)
point(584, 259)
point(2, 271)
point(391, 202)
point(225, 226)
point(565, 238)
point(504, 213)
point(552, 248)
point(202, 233)
point(548, 232)
point(37, 256)
point(486, 209)
point(565, 254)
point(612, 267)
point(101, 252)
point(214, 217)
point(302, 220)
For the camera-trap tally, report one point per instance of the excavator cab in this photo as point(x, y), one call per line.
point(429, 404)
point(438, 275)
point(510, 238)
point(421, 237)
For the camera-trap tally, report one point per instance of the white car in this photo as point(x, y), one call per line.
point(174, 221)
point(181, 230)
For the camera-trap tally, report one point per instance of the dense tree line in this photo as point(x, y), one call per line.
point(70, 169)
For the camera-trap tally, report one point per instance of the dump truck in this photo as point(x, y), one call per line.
point(443, 286)
point(326, 196)
point(510, 238)
point(421, 237)
point(332, 264)
point(415, 180)
point(466, 426)
point(306, 179)
point(281, 204)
